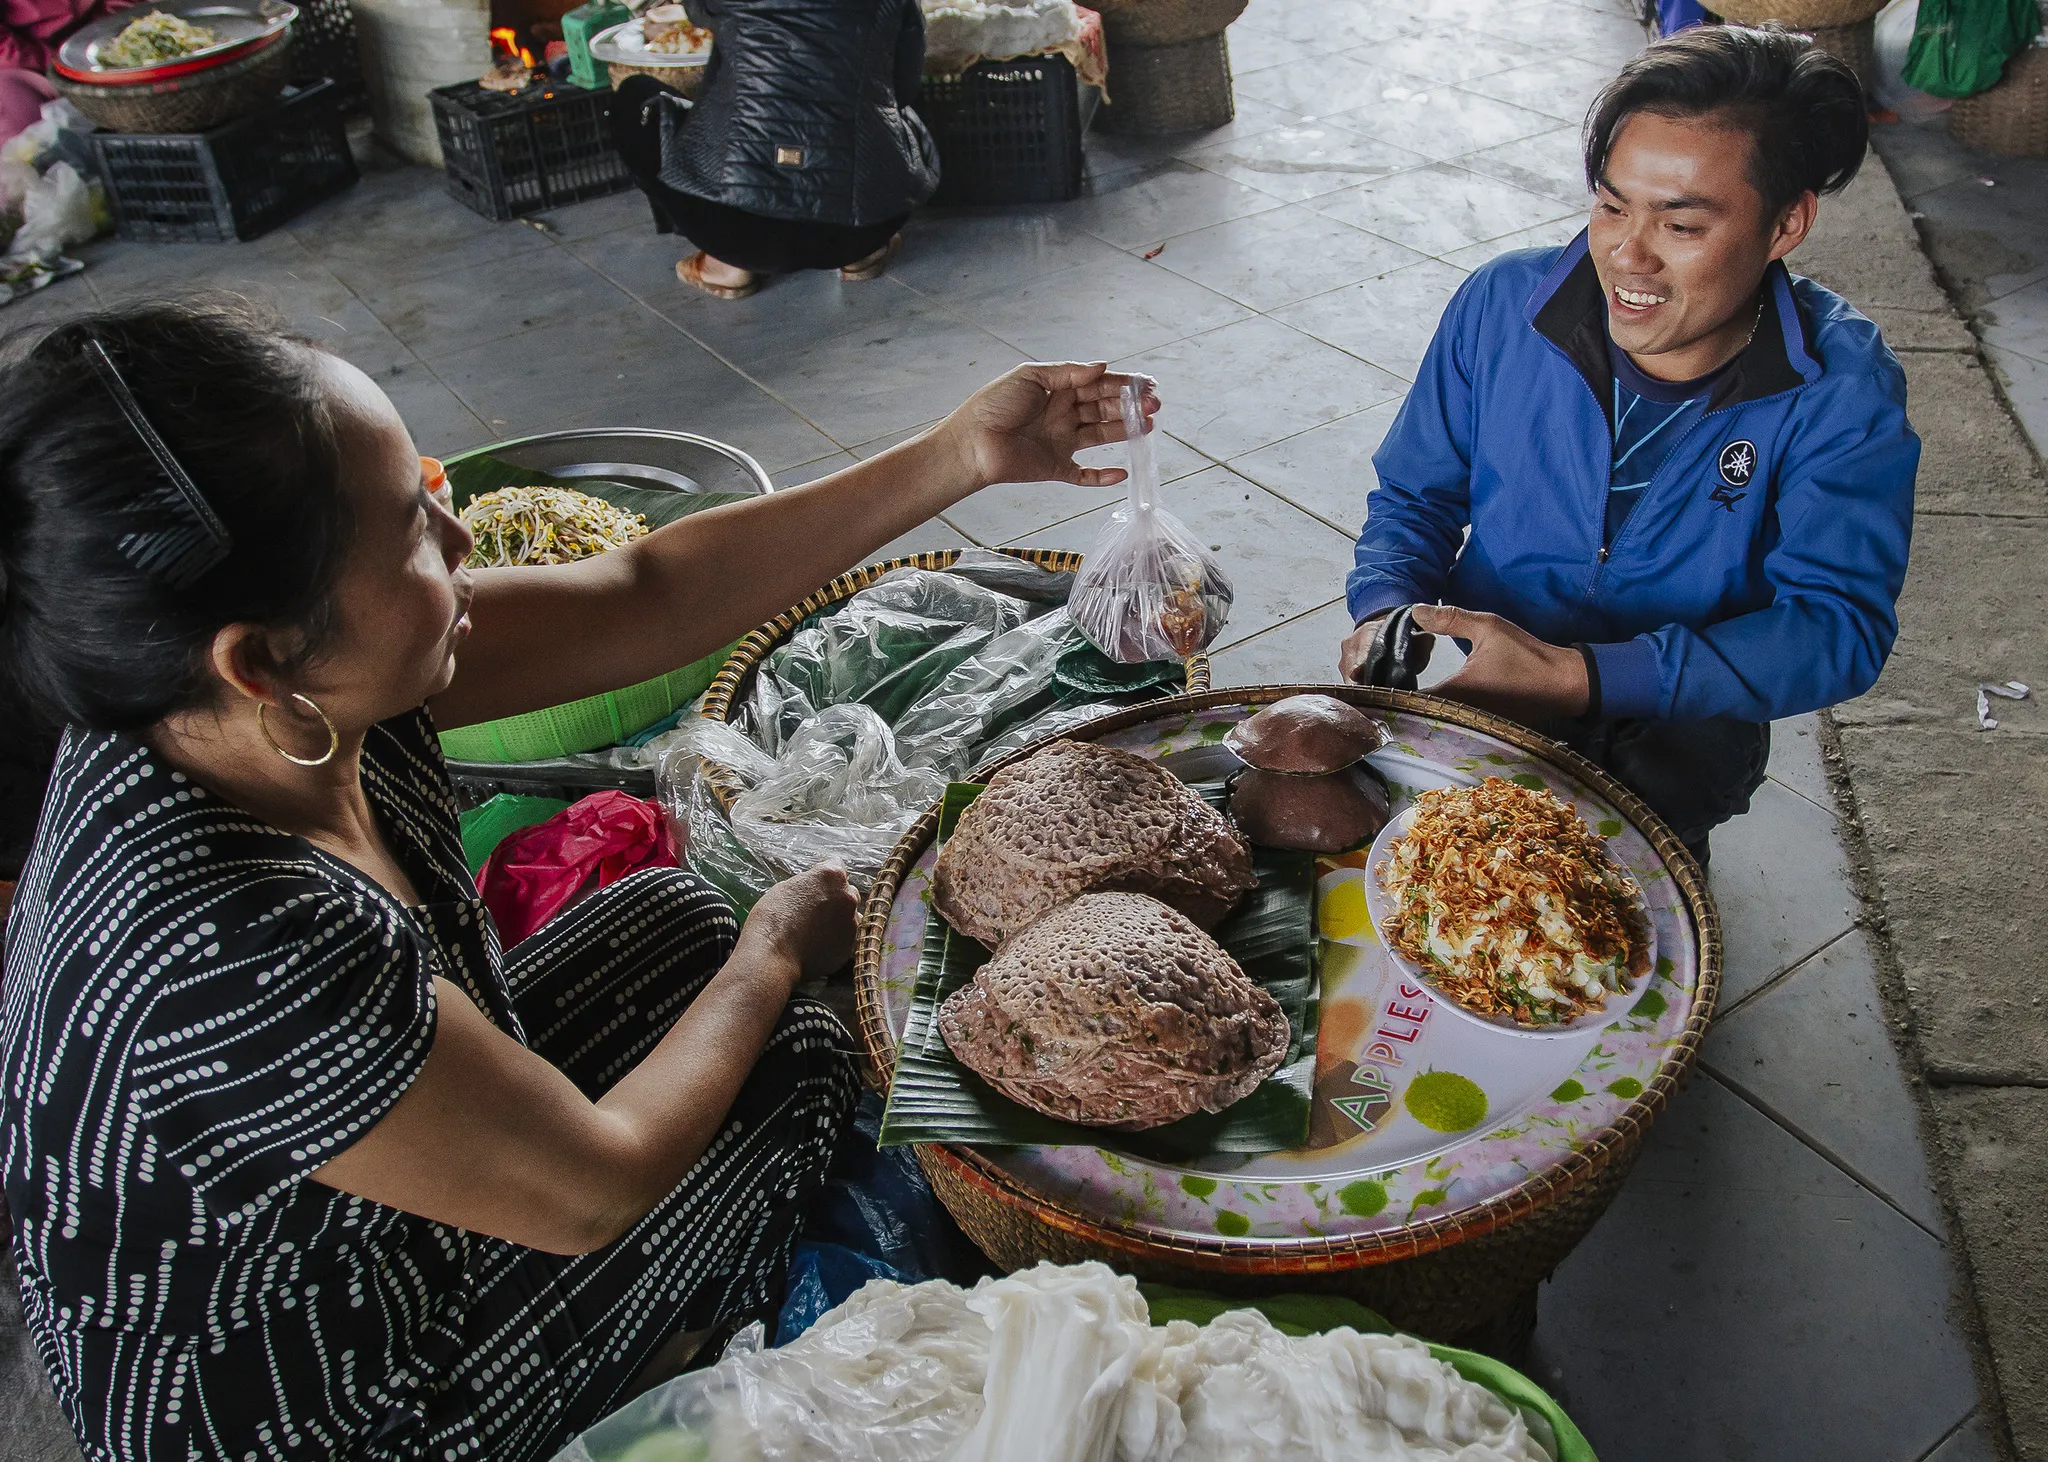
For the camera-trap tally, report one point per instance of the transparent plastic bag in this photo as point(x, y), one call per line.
point(1148, 589)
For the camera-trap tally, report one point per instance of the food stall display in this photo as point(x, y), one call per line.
point(1450, 1159)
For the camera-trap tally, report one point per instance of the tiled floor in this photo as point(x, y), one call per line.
point(1985, 220)
point(1773, 1282)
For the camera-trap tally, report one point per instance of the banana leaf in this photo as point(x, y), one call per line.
point(473, 476)
point(1272, 936)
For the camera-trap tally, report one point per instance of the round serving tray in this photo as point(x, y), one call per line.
point(607, 45)
point(242, 25)
point(722, 699)
point(1446, 1231)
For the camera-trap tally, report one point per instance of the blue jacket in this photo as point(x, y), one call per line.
point(1757, 576)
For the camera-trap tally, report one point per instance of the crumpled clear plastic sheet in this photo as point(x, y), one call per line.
point(968, 665)
point(1148, 589)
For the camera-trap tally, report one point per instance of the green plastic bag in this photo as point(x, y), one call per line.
point(1960, 47)
point(484, 827)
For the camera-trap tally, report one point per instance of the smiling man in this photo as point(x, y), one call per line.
point(1660, 485)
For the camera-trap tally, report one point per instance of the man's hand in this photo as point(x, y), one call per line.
point(1356, 646)
point(1508, 670)
point(1027, 426)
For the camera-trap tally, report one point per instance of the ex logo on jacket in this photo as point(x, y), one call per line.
point(1736, 465)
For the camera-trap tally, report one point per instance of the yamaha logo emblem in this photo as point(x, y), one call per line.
point(1738, 463)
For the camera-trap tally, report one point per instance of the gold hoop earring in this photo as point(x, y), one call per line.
point(333, 736)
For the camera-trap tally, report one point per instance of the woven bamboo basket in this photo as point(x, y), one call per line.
point(1165, 22)
point(1464, 1276)
point(2011, 118)
point(722, 698)
point(1854, 45)
point(683, 80)
point(193, 103)
point(1802, 15)
point(1163, 90)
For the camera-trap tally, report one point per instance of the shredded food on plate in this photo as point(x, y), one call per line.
point(156, 37)
point(545, 525)
point(1511, 904)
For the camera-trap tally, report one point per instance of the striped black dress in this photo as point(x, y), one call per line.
point(200, 1010)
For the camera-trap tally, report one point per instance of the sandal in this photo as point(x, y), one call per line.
point(872, 266)
point(691, 272)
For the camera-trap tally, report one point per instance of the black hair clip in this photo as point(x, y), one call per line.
point(197, 540)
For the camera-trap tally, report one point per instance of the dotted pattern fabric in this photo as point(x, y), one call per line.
point(200, 1010)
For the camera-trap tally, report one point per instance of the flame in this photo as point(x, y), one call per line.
point(526, 56)
point(504, 38)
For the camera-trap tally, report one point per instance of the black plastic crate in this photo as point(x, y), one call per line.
point(324, 47)
point(242, 179)
point(1008, 131)
point(508, 156)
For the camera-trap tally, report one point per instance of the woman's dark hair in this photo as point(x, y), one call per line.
point(1802, 108)
point(86, 636)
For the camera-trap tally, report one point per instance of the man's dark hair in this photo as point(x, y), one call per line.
point(1802, 108)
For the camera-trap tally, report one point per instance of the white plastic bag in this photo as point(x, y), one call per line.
point(56, 212)
point(1148, 590)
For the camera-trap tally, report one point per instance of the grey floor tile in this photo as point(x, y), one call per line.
point(1921, 155)
point(790, 314)
point(1301, 651)
point(947, 254)
point(1796, 759)
point(1281, 562)
point(1236, 389)
point(1444, 122)
point(440, 314)
point(626, 368)
point(1324, 26)
point(1326, 470)
point(440, 424)
point(1781, 882)
point(1990, 241)
point(1254, 48)
point(2018, 322)
point(1440, 208)
point(1551, 235)
point(1305, 161)
point(1745, 1299)
point(1101, 310)
point(596, 216)
point(804, 472)
point(1108, 153)
point(1970, 1442)
point(1274, 258)
point(1813, 1052)
point(1562, 86)
point(1434, 57)
point(1388, 320)
point(1175, 198)
point(400, 223)
point(934, 535)
point(2026, 385)
point(355, 334)
point(1549, 163)
point(1326, 85)
point(1012, 511)
point(912, 368)
point(51, 305)
point(275, 271)
point(1576, 30)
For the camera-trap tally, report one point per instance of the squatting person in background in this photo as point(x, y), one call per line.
point(1661, 486)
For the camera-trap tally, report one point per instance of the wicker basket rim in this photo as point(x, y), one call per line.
point(748, 654)
point(1299, 1256)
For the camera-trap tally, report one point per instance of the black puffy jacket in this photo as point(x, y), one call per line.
point(804, 112)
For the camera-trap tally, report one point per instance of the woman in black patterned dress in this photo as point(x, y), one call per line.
point(299, 1163)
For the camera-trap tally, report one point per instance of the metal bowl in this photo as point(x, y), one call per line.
point(242, 25)
point(665, 461)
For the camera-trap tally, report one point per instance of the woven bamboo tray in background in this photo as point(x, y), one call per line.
point(2011, 118)
point(723, 697)
point(1805, 15)
point(1468, 1276)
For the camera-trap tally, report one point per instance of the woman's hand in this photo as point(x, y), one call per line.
point(1027, 426)
point(805, 922)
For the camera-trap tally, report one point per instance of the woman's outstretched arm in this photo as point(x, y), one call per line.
point(546, 635)
point(491, 1138)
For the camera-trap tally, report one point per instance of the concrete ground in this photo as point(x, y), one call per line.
point(1778, 1280)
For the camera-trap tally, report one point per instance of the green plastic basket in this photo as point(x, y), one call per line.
point(598, 720)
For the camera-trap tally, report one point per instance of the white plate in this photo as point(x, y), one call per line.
point(1380, 904)
point(627, 45)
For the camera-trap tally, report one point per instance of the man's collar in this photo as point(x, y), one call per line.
point(1569, 309)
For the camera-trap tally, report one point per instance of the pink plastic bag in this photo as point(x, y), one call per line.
point(535, 873)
